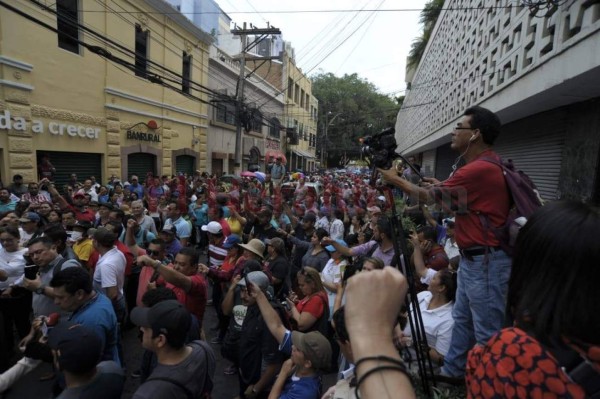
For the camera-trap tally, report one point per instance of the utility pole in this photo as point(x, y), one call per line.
point(243, 56)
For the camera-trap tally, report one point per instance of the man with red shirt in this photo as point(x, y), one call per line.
point(434, 255)
point(183, 278)
point(478, 188)
point(82, 214)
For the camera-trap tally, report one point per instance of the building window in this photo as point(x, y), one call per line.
point(186, 72)
point(290, 88)
point(67, 21)
point(256, 121)
point(297, 94)
point(274, 128)
point(306, 102)
point(225, 113)
point(302, 98)
point(141, 51)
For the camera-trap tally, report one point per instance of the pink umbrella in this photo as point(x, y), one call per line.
point(248, 174)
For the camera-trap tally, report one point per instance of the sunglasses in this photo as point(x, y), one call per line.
point(152, 253)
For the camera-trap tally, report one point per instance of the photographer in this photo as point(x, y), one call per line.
point(476, 189)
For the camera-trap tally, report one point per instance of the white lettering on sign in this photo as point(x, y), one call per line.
point(58, 129)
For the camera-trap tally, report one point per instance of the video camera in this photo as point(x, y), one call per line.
point(380, 149)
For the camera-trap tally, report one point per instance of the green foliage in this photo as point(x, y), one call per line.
point(351, 108)
point(428, 18)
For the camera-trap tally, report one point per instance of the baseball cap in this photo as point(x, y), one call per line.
point(30, 217)
point(449, 221)
point(78, 195)
point(309, 217)
point(169, 228)
point(79, 347)
point(315, 347)
point(381, 198)
point(168, 317)
point(331, 248)
point(213, 228)
point(106, 205)
point(231, 241)
point(82, 224)
point(258, 278)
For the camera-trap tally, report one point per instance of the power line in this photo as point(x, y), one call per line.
point(326, 10)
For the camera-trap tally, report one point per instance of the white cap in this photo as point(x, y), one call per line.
point(381, 198)
point(213, 228)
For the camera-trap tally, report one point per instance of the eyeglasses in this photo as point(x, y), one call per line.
point(463, 128)
point(152, 253)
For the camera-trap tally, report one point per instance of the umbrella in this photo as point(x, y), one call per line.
point(248, 174)
point(260, 176)
point(229, 178)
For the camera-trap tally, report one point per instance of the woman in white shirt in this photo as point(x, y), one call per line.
point(332, 273)
point(436, 311)
point(15, 302)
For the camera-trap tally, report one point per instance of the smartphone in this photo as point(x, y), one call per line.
point(31, 272)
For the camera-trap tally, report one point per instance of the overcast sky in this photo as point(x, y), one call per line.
point(377, 42)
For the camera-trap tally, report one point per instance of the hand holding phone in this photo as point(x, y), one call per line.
point(248, 284)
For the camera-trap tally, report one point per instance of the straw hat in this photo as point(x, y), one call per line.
point(255, 246)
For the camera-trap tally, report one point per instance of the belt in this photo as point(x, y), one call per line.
point(477, 251)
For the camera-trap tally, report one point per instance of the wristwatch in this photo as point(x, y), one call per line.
point(40, 290)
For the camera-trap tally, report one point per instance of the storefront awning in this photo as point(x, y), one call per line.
point(304, 154)
point(271, 155)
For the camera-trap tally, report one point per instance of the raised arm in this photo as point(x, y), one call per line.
point(269, 314)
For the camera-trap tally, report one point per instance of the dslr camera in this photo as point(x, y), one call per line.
point(380, 149)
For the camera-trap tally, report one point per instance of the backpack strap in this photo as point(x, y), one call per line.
point(58, 267)
point(577, 368)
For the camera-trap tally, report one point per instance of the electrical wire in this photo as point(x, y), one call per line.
point(328, 10)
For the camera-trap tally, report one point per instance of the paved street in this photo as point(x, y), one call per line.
point(226, 387)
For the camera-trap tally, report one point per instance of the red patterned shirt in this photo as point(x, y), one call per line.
point(515, 365)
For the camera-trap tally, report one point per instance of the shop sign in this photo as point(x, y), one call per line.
point(143, 132)
point(272, 145)
point(19, 124)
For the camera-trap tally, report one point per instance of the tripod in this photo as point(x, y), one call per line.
point(415, 319)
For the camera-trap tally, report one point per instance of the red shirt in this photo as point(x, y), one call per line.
point(479, 186)
point(195, 299)
point(313, 304)
point(436, 258)
point(83, 216)
point(515, 365)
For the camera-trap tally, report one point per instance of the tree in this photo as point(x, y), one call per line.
point(428, 18)
point(349, 108)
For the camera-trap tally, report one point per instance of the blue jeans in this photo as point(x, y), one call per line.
point(478, 308)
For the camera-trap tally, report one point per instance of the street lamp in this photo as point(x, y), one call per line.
point(327, 124)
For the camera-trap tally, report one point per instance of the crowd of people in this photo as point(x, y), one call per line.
point(305, 278)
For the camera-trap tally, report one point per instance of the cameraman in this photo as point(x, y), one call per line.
point(477, 192)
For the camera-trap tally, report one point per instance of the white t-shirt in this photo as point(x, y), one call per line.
point(438, 323)
point(13, 264)
point(110, 271)
point(332, 274)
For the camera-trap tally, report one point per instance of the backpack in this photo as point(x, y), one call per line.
point(206, 393)
point(525, 199)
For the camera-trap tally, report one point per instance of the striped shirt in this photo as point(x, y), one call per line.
point(216, 254)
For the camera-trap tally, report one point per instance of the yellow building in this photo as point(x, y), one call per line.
point(93, 115)
point(300, 114)
point(300, 108)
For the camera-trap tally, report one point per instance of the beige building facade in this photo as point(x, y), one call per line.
point(101, 115)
